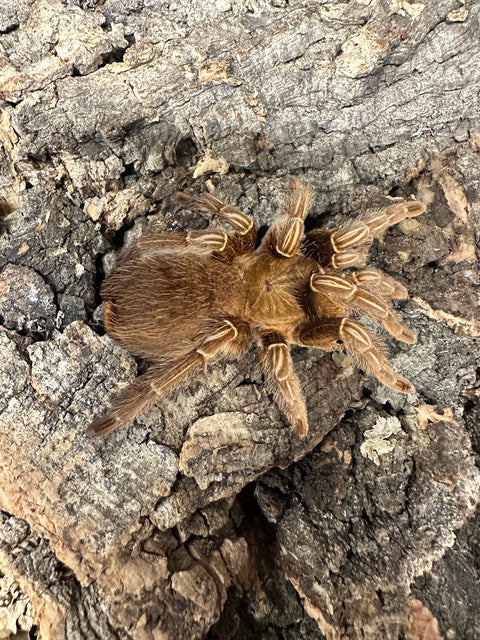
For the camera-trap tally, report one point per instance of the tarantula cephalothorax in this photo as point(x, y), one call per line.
point(180, 299)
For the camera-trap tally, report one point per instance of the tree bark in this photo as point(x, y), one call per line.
point(208, 517)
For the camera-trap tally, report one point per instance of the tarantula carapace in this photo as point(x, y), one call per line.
point(181, 299)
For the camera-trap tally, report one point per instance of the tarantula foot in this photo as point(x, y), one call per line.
point(403, 385)
point(398, 212)
point(300, 427)
point(102, 426)
point(395, 382)
point(400, 331)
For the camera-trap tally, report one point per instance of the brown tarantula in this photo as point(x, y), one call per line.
point(180, 299)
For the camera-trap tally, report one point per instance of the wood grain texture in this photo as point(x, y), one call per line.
point(108, 109)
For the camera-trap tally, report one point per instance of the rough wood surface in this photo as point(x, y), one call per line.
point(184, 525)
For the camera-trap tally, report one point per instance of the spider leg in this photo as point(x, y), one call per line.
point(348, 246)
point(285, 235)
point(228, 337)
point(282, 380)
point(240, 222)
point(141, 393)
point(359, 342)
point(380, 283)
point(300, 199)
point(199, 242)
point(344, 291)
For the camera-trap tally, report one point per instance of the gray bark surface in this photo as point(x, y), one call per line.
point(208, 518)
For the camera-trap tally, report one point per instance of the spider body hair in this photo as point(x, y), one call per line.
point(182, 299)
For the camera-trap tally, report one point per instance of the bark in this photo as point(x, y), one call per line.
point(208, 517)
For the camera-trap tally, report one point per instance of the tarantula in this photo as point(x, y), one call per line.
point(181, 299)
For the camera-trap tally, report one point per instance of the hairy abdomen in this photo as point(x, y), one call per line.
point(163, 306)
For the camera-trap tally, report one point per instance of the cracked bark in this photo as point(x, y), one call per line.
point(184, 525)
